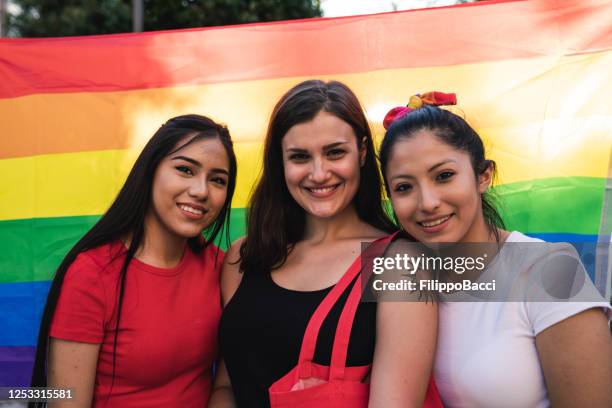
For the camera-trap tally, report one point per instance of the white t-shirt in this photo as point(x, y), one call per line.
point(486, 354)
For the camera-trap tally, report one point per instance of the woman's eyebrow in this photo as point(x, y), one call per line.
point(333, 145)
point(397, 176)
point(220, 170)
point(296, 150)
point(187, 159)
point(326, 147)
point(441, 163)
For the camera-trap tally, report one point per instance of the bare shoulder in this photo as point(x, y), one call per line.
point(371, 233)
point(230, 274)
point(402, 246)
point(232, 255)
point(400, 265)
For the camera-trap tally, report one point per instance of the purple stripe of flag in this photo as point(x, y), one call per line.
point(16, 365)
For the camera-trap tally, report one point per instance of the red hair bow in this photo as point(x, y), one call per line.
point(416, 101)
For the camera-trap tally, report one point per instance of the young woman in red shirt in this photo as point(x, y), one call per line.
point(132, 314)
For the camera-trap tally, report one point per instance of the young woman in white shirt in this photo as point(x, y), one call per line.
point(489, 354)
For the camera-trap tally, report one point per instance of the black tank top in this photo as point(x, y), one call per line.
point(261, 333)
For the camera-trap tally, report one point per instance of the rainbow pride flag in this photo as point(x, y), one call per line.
point(534, 77)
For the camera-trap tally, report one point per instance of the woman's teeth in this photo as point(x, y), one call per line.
point(322, 190)
point(190, 209)
point(434, 222)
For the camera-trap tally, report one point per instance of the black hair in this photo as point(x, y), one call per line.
point(126, 218)
point(275, 222)
point(454, 131)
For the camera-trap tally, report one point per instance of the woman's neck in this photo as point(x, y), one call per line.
point(481, 232)
point(160, 247)
point(345, 224)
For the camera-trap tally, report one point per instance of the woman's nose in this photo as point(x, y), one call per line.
point(319, 173)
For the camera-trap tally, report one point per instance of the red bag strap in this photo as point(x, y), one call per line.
point(309, 341)
point(345, 322)
point(343, 333)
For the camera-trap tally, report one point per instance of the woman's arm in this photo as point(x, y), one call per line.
point(222, 395)
point(230, 273)
point(76, 332)
point(406, 334)
point(576, 357)
point(73, 365)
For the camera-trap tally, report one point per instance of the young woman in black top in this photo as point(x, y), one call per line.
point(318, 199)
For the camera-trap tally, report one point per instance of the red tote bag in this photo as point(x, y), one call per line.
point(311, 385)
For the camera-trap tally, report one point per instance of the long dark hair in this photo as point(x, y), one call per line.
point(453, 130)
point(126, 215)
point(275, 222)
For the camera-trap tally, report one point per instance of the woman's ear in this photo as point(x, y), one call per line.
point(486, 177)
point(363, 151)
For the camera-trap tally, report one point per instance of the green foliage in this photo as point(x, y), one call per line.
point(160, 15)
point(44, 18)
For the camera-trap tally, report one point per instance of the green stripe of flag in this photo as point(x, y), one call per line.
point(554, 205)
point(31, 250)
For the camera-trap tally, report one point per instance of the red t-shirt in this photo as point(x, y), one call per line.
point(168, 330)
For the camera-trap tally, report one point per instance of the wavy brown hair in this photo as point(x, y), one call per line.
point(275, 222)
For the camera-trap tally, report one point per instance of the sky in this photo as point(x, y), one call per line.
point(337, 8)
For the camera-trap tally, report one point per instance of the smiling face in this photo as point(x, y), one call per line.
point(434, 190)
point(322, 164)
point(189, 189)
